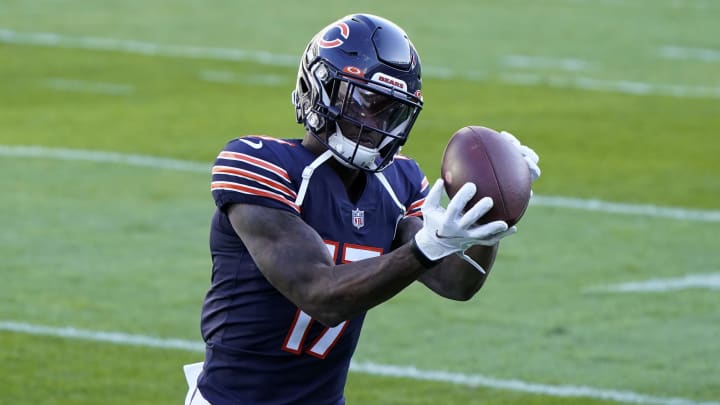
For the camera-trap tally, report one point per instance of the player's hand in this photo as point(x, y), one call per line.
point(531, 158)
point(448, 231)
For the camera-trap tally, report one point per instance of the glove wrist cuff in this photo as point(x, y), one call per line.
point(424, 260)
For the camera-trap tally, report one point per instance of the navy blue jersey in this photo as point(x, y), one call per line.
point(260, 347)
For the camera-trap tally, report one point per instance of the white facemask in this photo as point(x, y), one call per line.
point(364, 157)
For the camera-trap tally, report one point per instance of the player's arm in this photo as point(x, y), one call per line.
point(295, 260)
point(453, 277)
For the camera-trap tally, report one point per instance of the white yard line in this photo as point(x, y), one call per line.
point(42, 152)
point(366, 367)
point(709, 281)
point(646, 210)
point(684, 53)
point(146, 48)
point(541, 62)
point(617, 86)
point(87, 86)
point(154, 49)
point(226, 77)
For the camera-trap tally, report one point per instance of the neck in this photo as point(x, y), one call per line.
point(353, 179)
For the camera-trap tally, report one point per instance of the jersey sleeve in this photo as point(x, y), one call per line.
point(418, 187)
point(249, 171)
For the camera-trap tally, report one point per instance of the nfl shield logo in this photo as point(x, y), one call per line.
point(358, 218)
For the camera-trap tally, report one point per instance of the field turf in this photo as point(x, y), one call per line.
point(103, 243)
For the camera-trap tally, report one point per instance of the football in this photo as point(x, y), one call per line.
point(482, 156)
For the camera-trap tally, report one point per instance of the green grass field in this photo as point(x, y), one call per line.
point(100, 235)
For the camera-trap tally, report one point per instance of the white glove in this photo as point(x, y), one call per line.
point(448, 231)
point(528, 154)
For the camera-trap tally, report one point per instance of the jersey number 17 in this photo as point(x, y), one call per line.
point(295, 339)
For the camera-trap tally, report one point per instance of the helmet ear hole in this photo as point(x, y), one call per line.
point(303, 86)
point(302, 98)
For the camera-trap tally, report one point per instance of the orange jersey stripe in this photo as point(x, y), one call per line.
point(232, 171)
point(255, 162)
point(425, 183)
point(417, 204)
point(222, 185)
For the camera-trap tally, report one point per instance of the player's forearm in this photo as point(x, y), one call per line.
point(350, 289)
point(452, 278)
point(456, 279)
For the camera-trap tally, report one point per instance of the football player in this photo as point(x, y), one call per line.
point(309, 234)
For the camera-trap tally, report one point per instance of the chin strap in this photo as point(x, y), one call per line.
point(390, 191)
point(308, 172)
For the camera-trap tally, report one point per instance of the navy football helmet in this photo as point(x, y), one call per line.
point(359, 90)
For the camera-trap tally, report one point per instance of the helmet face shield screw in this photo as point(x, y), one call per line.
point(322, 73)
point(313, 120)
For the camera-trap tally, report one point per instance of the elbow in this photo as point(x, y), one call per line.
point(326, 308)
point(328, 300)
point(326, 315)
point(464, 292)
point(464, 295)
point(330, 321)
